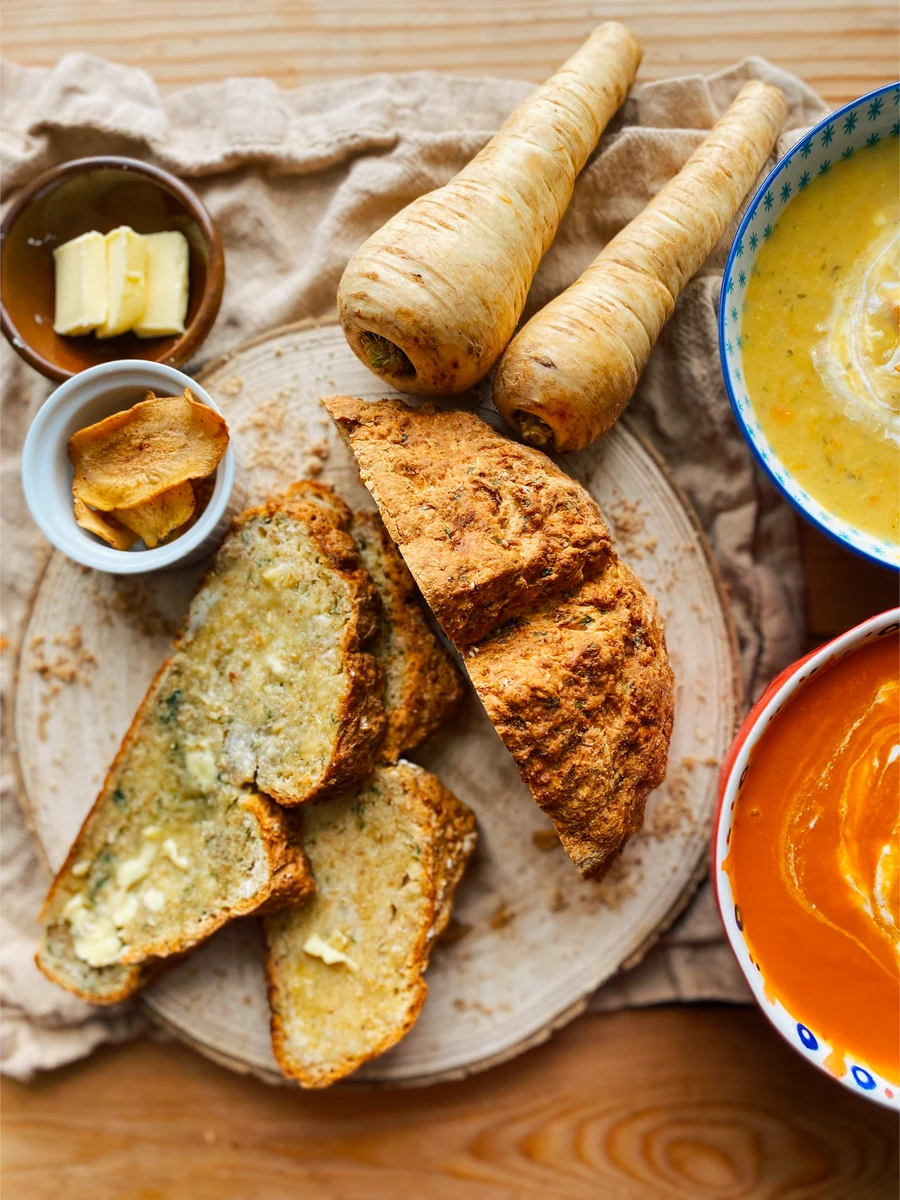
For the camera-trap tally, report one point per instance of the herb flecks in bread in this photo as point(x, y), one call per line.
point(346, 970)
point(563, 644)
point(487, 527)
point(269, 690)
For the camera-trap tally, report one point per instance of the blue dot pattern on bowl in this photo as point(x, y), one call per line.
point(863, 1078)
point(807, 1037)
point(864, 123)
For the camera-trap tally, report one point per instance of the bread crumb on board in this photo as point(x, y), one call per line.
point(628, 520)
point(276, 444)
point(618, 884)
point(71, 663)
point(231, 386)
point(131, 599)
point(63, 660)
point(546, 839)
point(502, 916)
point(455, 932)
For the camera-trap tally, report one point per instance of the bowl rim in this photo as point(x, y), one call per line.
point(780, 693)
point(210, 300)
point(106, 558)
point(835, 535)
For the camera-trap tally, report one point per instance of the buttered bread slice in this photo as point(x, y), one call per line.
point(346, 970)
point(269, 694)
point(423, 686)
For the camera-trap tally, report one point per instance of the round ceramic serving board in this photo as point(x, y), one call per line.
point(531, 940)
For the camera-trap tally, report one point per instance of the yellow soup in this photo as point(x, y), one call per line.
point(820, 339)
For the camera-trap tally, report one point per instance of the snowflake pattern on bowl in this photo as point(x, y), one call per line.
point(863, 123)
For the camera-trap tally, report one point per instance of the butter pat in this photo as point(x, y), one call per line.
point(80, 284)
point(126, 281)
point(317, 947)
point(167, 285)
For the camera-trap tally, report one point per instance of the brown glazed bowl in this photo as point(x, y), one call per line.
point(100, 193)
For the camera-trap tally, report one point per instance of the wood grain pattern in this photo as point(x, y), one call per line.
point(699, 1102)
point(693, 1104)
point(842, 49)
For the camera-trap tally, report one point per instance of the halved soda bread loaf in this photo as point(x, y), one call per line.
point(269, 693)
point(487, 526)
point(563, 644)
point(345, 971)
point(422, 684)
point(581, 692)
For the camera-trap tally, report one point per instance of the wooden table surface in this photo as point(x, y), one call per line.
point(694, 1102)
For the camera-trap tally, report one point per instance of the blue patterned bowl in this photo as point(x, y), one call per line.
point(854, 1074)
point(862, 123)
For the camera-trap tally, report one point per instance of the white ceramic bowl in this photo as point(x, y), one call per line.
point(47, 472)
point(868, 120)
point(858, 1077)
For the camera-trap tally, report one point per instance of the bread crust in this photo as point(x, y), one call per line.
point(582, 694)
point(423, 684)
point(449, 835)
point(572, 669)
point(487, 526)
point(362, 720)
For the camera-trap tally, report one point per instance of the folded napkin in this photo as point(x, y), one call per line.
point(296, 180)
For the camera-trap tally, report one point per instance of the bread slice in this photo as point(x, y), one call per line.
point(581, 692)
point(564, 646)
point(269, 693)
point(487, 526)
point(423, 686)
point(386, 858)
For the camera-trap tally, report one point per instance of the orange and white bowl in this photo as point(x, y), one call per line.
point(815, 1043)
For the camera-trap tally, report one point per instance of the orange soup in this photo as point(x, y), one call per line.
point(814, 859)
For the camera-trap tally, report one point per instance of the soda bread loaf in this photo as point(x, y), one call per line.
point(345, 971)
point(487, 527)
point(269, 694)
point(563, 644)
point(581, 692)
point(422, 684)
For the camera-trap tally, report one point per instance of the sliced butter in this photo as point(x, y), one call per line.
point(126, 281)
point(167, 285)
point(317, 947)
point(80, 284)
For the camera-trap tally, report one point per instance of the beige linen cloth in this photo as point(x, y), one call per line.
point(296, 180)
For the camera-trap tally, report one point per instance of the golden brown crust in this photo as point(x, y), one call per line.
point(448, 834)
point(454, 839)
point(581, 692)
point(585, 709)
point(361, 725)
point(290, 883)
point(423, 684)
point(324, 1077)
point(488, 527)
point(362, 720)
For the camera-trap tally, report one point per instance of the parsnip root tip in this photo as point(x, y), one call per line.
point(533, 430)
point(384, 357)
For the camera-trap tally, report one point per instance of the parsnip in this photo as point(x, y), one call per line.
point(568, 374)
point(432, 298)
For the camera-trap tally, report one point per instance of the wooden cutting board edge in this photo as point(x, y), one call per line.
point(574, 1010)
